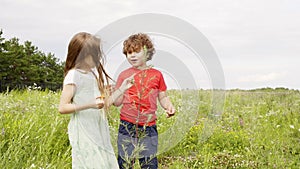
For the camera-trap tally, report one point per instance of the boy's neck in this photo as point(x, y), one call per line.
point(142, 67)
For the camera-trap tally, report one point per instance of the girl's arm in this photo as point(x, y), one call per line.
point(67, 107)
point(166, 103)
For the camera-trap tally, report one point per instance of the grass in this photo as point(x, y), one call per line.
point(258, 129)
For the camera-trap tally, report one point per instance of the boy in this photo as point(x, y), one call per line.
point(137, 137)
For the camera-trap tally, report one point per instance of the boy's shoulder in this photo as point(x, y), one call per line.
point(129, 71)
point(156, 71)
point(126, 71)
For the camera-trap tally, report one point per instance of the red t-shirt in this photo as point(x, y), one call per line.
point(140, 100)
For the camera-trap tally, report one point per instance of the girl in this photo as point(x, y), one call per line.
point(84, 97)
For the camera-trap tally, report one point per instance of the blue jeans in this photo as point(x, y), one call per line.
point(137, 142)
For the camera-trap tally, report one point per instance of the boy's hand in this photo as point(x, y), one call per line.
point(127, 83)
point(170, 111)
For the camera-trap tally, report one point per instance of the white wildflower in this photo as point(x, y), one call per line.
point(32, 166)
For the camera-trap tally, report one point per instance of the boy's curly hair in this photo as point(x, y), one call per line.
point(136, 42)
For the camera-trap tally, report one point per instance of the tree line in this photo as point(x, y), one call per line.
point(24, 65)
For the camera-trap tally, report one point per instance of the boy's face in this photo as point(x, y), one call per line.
point(137, 59)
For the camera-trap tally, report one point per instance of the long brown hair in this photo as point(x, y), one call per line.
point(81, 46)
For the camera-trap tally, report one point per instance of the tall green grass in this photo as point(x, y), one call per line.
point(258, 129)
point(33, 134)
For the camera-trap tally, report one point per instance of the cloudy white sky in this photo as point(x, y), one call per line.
point(257, 42)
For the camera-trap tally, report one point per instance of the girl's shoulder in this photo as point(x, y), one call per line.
point(75, 74)
point(71, 77)
point(71, 72)
point(82, 73)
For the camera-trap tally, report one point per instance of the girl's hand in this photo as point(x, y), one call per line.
point(99, 103)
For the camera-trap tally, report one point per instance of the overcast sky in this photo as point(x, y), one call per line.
point(257, 42)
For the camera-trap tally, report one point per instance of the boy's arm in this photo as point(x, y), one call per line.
point(117, 96)
point(166, 103)
point(118, 99)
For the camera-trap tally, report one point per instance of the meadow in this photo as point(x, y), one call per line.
point(257, 129)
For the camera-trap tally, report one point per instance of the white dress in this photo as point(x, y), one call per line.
point(88, 129)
